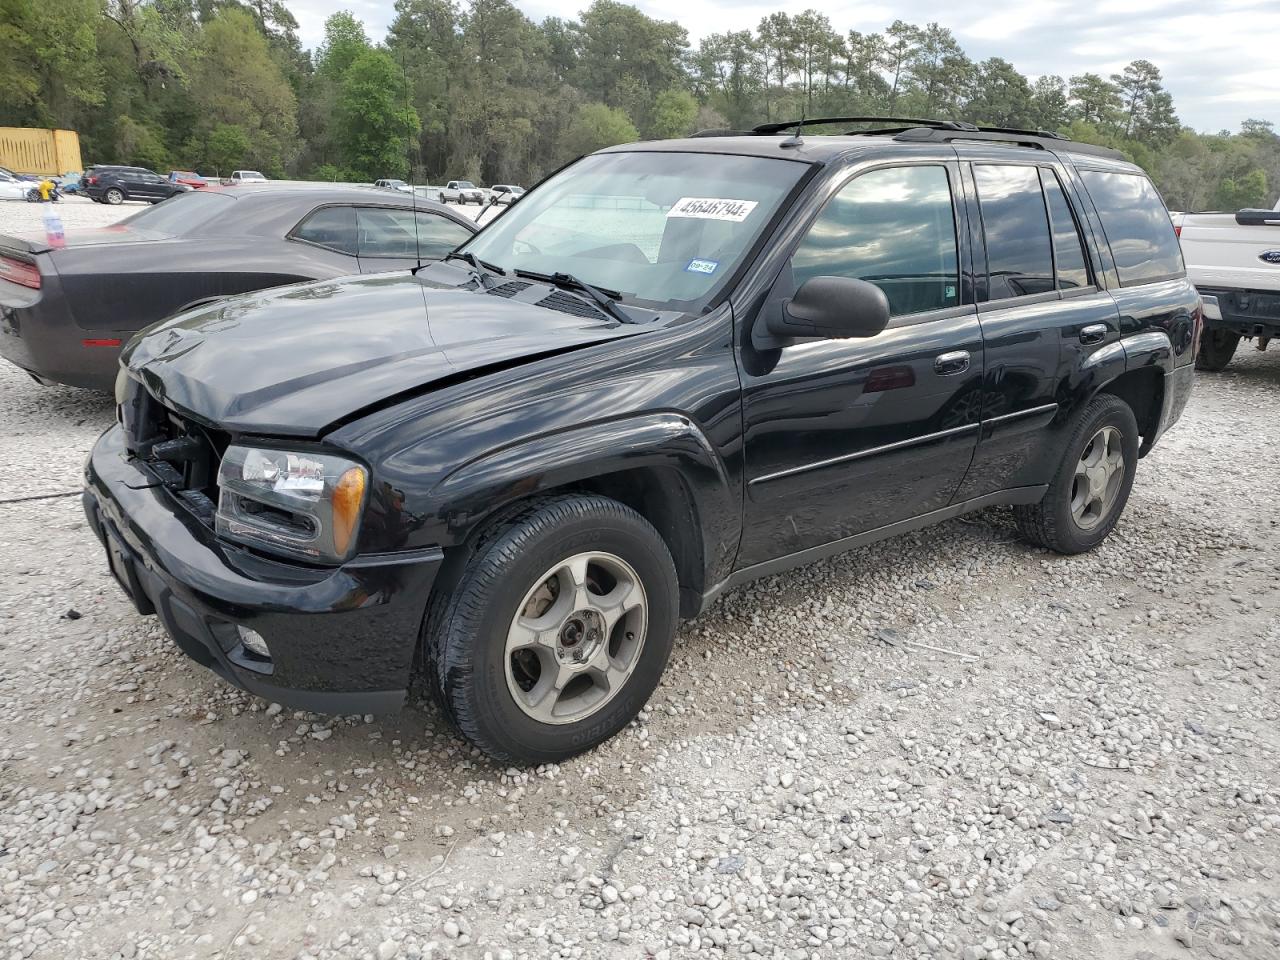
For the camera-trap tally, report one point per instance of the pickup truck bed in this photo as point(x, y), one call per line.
point(1234, 258)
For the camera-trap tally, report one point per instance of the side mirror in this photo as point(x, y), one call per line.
point(834, 308)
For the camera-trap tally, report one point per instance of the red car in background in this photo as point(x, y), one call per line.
point(188, 177)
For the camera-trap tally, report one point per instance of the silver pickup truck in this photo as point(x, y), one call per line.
point(1234, 261)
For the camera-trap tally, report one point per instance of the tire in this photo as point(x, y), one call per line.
point(114, 196)
point(518, 573)
point(1217, 347)
point(1058, 521)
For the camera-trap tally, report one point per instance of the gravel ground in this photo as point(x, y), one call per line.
point(947, 745)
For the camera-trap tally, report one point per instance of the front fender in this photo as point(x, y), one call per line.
point(654, 441)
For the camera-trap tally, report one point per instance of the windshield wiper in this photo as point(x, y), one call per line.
point(480, 268)
point(605, 299)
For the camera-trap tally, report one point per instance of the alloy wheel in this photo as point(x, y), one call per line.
point(576, 637)
point(1098, 478)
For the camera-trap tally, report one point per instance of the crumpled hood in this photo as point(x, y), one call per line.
point(293, 360)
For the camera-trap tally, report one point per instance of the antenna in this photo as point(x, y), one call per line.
point(795, 139)
point(416, 149)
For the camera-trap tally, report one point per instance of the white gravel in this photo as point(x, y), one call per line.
point(1089, 771)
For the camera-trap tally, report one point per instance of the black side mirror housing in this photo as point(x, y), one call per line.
point(833, 308)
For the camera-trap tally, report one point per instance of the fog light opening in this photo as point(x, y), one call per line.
point(253, 643)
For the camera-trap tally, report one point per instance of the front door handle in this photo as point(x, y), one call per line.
point(949, 364)
point(1093, 333)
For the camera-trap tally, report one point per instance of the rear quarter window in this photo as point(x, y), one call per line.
point(1137, 226)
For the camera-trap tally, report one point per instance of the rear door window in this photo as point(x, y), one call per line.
point(333, 228)
point(894, 227)
point(1068, 251)
point(1137, 226)
point(1016, 229)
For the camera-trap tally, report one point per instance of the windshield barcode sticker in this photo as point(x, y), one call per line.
point(712, 208)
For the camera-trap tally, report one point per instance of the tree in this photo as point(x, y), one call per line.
point(674, 113)
point(597, 125)
point(344, 40)
point(226, 147)
point(374, 122)
point(1001, 95)
point(237, 83)
point(1094, 100)
point(48, 60)
point(1146, 106)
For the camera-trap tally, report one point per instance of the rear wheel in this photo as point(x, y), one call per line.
point(1089, 492)
point(114, 196)
point(557, 631)
point(1217, 347)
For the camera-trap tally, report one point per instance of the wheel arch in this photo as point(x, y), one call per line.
point(660, 465)
point(1143, 390)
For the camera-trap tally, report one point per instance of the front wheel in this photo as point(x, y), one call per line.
point(1089, 492)
point(1217, 347)
point(114, 196)
point(557, 631)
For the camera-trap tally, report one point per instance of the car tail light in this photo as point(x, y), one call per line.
point(101, 342)
point(1177, 230)
point(92, 180)
point(20, 272)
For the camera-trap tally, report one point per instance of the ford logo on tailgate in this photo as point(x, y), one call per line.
point(1270, 256)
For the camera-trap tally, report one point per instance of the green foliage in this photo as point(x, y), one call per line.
point(373, 122)
point(225, 148)
point(139, 144)
point(479, 90)
point(237, 83)
point(674, 113)
point(1236, 193)
point(596, 126)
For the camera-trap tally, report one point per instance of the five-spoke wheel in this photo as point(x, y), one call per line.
point(555, 630)
point(576, 637)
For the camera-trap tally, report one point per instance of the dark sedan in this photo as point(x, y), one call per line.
point(65, 313)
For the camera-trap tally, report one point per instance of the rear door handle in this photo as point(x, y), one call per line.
point(949, 364)
point(1093, 333)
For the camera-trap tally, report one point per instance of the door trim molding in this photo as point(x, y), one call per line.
point(1018, 414)
point(862, 454)
point(1014, 495)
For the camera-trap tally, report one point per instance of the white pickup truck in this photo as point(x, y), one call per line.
point(1234, 261)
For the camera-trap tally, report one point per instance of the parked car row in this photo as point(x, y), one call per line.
point(671, 369)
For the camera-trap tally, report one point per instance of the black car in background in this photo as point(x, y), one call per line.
point(114, 185)
point(672, 368)
point(64, 314)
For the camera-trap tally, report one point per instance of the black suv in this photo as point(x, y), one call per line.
point(671, 368)
point(114, 185)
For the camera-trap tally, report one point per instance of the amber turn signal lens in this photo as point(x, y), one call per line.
point(348, 496)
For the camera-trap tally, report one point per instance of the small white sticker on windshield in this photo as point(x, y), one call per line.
point(712, 208)
point(702, 266)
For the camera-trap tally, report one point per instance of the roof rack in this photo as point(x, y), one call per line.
point(917, 130)
point(765, 129)
point(1039, 139)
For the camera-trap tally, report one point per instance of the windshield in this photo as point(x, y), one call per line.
point(251, 175)
point(664, 229)
point(180, 215)
point(465, 184)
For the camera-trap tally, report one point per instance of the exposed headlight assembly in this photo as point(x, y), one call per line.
point(300, 504)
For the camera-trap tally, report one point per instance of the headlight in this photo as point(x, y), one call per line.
point(300, 504)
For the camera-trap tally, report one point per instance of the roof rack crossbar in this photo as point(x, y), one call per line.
point(765, 129)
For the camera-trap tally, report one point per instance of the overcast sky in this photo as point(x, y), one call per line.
point(1218, 57)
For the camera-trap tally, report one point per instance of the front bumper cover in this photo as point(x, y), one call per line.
point(342, 640)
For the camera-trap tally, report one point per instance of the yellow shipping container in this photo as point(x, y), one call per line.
point(32, 150)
